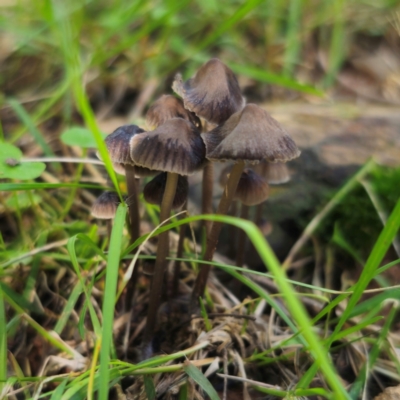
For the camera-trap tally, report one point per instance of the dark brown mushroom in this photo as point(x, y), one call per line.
point(118, 147)
point(251, 135)
point(168, 107)
point(153, 191)
point(176, 148)
point(213, 93)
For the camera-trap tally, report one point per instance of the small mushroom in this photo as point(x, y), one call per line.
point(154, 190)
point(105, 205)
point(251, 135)
point(174, 147)
point(275, 173)
point(118, 147)
point(213, 93)
point(168, 107)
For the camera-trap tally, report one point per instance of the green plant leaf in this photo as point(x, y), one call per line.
point(201, 380)
point(149, 387)
point(11, 168)
point(78, 136)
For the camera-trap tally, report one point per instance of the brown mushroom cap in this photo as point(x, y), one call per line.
point(276, 173)
point(105, 205)
point(168, 107)
point(140, 172)
point(252, 188)
point(153, 191)
point(118, 143)
point(213, 93)
point(175, 146)
point(250, 135)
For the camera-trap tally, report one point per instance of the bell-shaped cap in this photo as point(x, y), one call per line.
point(168, 107)
point(276, 173)
point(213, 93)
point(175, 146)
point(252, 188)
point(140, 172)
point(105, 205)
point(250, 135)
point(153, 191)
point(118, 143)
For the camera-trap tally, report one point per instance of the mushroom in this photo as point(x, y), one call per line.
point(250, 135)
point(252, 189)
point(176, 148)
point(168, 107)
point(105, 207)
point(275, 173)
point(118, 148)
point(213, 93)
point(154, 190)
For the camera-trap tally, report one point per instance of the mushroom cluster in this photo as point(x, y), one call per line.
point(209, 122)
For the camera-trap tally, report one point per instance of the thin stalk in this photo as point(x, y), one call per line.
point(242, 237)
point(262, 170)
point(177, 263)
point(133, 202)
point(207, 193)
point(159, 268)
point(233, 231)
point(212, 238)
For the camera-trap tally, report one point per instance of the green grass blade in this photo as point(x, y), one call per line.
point(69, 307)
point(30, 126)
point(200, 379)
point(269, 77)
point(3, 343)
point(378, 252)
point(293, 37)
point(149, 387)
point(109, 299)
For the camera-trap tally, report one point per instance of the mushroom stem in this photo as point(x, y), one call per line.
point(233, 230)
point(177, 263)
point(133, 202)
point(162, 252)
point(206, 201)
point(262, 169)
point(212, 238)
point(242, 238)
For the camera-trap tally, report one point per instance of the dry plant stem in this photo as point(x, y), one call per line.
point(207, 193)
point(212, 238)
point(242, 238)
point(159, 268)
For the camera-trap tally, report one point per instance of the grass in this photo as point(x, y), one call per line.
point(59, 288)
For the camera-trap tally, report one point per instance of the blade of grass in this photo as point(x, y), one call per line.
point(77, 268)
point(337, 45)
point(3, 343)
point(109, 299)
point(30, 126)
point(69, 307)
point(316, 221)
point(269, 77)
point(11, 187)
point(293, 35)
point(369, 271)
point(200, 379)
